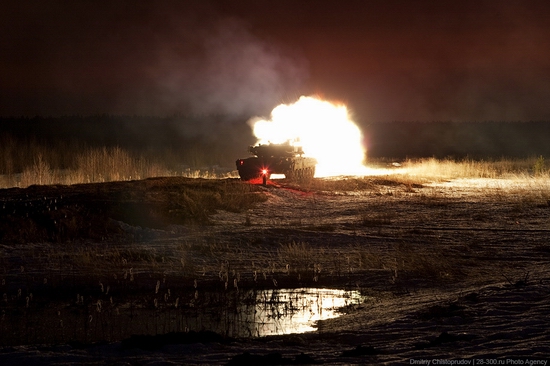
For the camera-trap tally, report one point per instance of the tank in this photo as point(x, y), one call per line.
point(276, 159)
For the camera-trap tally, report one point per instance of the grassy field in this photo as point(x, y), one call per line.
point(116, 164)
point(453, 169)
point(96, 165)
point(104, 261)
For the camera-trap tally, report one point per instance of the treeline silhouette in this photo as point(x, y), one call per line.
point(218, 140)
point(196, 141)
point(458, 140)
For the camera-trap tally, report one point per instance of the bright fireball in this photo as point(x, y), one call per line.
point(323, 129)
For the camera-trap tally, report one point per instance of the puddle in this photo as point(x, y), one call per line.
point(259, 313)
point(295, 310)
point(240, 314)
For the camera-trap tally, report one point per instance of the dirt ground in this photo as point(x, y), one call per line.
point(449, 271)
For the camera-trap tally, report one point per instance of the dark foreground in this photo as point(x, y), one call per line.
point(157, 271)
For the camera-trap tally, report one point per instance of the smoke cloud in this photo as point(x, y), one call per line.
point(232, 72)
point(145, 58)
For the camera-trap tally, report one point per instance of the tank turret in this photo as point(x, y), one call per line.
point(276, 150)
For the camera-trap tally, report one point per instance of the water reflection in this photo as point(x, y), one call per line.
point(232, 313)
point(287, 311)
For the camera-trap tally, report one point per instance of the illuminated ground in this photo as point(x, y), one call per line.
point(455, 269)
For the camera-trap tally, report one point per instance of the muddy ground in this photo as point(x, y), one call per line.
point(447, 271)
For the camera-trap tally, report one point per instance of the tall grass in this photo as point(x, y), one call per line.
point(24, 163)
point(91, 166)
point(114, 164)
point(94, 165)
point(451, 169)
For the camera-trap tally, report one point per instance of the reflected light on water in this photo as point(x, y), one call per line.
point(296, 310)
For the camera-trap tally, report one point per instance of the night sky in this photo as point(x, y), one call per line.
point(387, 60)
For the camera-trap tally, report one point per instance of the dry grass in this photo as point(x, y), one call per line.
point(435, 169)
point(94, 165)
point(127, 276)
point(414, 174)
point(91, 211)
point(298, 256)
point(334, 185)
point(40, 166)
point(432, 264)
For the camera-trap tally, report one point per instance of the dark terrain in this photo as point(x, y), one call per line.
point(456, 270)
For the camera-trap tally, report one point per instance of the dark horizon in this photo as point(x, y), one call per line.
point(218, 141)
point(388, 61)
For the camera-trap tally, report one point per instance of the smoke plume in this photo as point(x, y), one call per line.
point(231, 72)
point(138, 58)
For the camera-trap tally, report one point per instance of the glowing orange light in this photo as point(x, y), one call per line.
point(323, 129)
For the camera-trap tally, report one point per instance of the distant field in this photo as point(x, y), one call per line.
point(115, 164)
point(75, 149)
